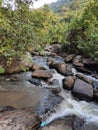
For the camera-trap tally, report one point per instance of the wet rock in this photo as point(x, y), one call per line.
point(18, 120)
point(66, 123)
point(38, 67)
point(69, 58)
point(53, 82)
point(56, 90)
point(84, 78)
point(41, 74)
point(95, 85)
point(82, 90)
point(68, 82)
point(35, 82)
point(60, 67)
point(78, 123)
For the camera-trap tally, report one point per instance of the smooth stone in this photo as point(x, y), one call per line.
point(82, 90)
point(41, 74)
point(68, 82)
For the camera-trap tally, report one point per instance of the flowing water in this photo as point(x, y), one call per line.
point(28, 95)
point(70, 106)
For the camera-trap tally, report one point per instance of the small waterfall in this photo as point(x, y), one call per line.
point(69, 106)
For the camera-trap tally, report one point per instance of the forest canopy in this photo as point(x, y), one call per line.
point(75, 26)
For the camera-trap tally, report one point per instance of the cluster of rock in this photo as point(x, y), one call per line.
point(81, 86)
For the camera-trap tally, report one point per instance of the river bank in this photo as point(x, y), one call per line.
point(59, 90)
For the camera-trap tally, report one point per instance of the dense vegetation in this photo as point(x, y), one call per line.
point(75, 25)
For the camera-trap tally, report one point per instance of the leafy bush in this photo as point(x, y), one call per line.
point(82, 36)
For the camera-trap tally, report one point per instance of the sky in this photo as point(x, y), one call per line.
point(40, 3)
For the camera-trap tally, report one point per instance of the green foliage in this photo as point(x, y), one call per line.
point(75, 25)
point(1, 70)
point(82, 35)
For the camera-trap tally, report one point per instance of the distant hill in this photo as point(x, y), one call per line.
point(57, 6)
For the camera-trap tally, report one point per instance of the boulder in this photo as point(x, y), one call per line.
point(91, 64)
point(82, 90)
point(69, 58)
point(56, 90)
point(69, 70)
point(60, 67)
point(84, 78)
point(66, 123)
point(68, 82)
point(35, 81)
point(95, 85)
point(18, 120)
point(96, 95)
point(37, 67)
point(77, 61)
point(50, 60)
point(83, 69)
point(41, 74)
point(16, 64)
point(6, 108)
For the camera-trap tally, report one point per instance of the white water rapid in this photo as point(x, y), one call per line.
point(70, 106)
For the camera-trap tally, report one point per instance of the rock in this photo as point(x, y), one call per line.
point(35, 82)
point(82, 90)
point(69, 58)
point(68, 82)
point(78, 123)
point(42, 74)
point(69, 70)
point(95, 85)
point(66, 123)
point(56, 90)
point(18, 120)
point(77, 61)
point(60, 67)
point(50, 60)
point(90, 64)
point(6, 108)
point(83, 70)
point(88, 61)
point(54, 82)
point(38, 67)
point(84, 78)
point(56, 48)
point(16, 64)
point(96, 95)
point(53, 54)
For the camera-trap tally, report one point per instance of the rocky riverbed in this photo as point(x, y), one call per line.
point(59, 92)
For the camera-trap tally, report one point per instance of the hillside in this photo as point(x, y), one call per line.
point(57, 6)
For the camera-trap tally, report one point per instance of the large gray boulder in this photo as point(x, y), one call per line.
point(82, 90)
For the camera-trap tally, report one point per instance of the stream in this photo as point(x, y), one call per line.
point(22, 93)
